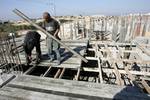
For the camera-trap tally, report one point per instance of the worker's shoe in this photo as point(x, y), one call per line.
point(37, 61)
point(58, 62)
point(28, 62)
point(51, 58)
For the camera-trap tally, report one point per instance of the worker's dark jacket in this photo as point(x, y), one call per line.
point(32, 39)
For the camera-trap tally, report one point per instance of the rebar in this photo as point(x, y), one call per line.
point(9, 59)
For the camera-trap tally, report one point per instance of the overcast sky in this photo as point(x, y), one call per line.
point(35, 8)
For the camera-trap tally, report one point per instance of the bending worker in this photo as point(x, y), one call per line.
point(53, 27)
point(32, 39)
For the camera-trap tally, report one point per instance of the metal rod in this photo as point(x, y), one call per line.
point(5, 59)
point(8, 53)
point(18, 57)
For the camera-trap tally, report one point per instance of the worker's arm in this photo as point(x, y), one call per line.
point(56, 32)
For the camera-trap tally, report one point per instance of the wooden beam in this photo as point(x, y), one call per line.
point(143, 49)
point(123, 51)
point(99, 63)
point(132, 78)
point(46, 73)
point(91, 49)
point(129, 74)
point(100, 71)
point(78, 89)
point(19, 13)
point(112, 44)
point(57, 73)
point(30, 70)
point(91, 58)
point(145, 85)
point(119, 53)
point(128, 60)
point(12, 93)
point(107, 70)
point(117, 73)
point(62, 72)
point(78, 74)
point(6, 80)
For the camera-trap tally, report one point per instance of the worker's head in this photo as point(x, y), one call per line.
point(46, 16)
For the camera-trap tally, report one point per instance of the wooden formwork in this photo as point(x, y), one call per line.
point(115, 63)
point(117, 58)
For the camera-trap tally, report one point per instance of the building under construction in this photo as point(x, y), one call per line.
point(102, 58)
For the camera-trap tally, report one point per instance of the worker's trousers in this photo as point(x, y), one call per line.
point(53, 49)
point(28, 47)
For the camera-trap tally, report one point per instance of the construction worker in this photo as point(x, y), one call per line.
point(32, 39)
point(53, 27)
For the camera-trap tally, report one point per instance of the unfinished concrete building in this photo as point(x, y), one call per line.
point(108, 59)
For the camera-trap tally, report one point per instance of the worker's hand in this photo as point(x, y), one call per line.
point(30, 58)
point(55, 35)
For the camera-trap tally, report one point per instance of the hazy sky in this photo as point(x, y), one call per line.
point(35, 8)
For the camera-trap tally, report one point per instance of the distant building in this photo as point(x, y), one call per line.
point(1, 22)
point(5, 22)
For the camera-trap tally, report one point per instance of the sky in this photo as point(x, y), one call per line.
point(35, 8)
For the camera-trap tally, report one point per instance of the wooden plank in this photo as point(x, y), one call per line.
point(44, 51)
point(107, 70)
point(92, 58)
point(68, 63)
point(63, 65)
point(49, 35)
point(5, 78)
point(75, 41)
point(47, 72)
point(9, 93)
point(131, 77)
point(118, 75)
point(78, 74)
point(143, 49)
point(63, 70)
point(99, 55)
point(124, 51)
point(57, 73)
point(120, 52)
point(74, 61)
point(128, 60)
point(77, 88)
point(91, 49)
point(112, 44)
point(100, 71)
point(146, 86)
point(129, 74)
point(30, 69)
